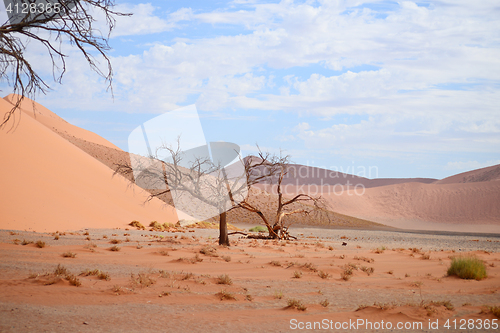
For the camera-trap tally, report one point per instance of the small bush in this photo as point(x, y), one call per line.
point(467, 268)
point(495, 310)
point(61, 270)
point(224, 295)
point(346, 274)
point(224, 279)
point(115, 241)
point(278, 294)
point(25, 242)
point(367, 270)
point(275, 263)
point(323, 275)
point(69, 254)
point(324, 303)
point(209, 250)
point(137, 224)
point(295, 304)
point(297, 274)
point(226, 258)
point(73, 280)
point(142, 279)
point(164, 253)
point(258, 228)
point(155, 226)
point(115, 248)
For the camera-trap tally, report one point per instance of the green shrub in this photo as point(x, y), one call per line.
point(467, 268)
point(258, 228)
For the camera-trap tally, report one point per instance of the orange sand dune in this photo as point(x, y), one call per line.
point(54, 122)
point(491, 173)
point(471, 207)
point(48, 184)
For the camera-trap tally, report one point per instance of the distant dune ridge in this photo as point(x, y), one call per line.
point(57, 176)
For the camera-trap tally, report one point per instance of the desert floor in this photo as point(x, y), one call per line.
point(161, 282)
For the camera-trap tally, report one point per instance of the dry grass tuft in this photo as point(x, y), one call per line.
point(164, 253)
point(323, 275)
point(295, 304)
point(224, 295)
point(367, 270)
point(115, 248)
point(495, 310)
point(137, 224)
point(297, 274)
point(142, 279)
point(96, 272)
point(115, 241)
point(275, 263)
point(324, 303)
point(224, 279)
point(209, 250)
point(69, 254)
point(346, 273)
point(226, 258)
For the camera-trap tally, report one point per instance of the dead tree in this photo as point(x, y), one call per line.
point(51, 24)
point(197, 184)
point(271, 169)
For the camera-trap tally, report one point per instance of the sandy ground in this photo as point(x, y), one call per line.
point(183, 294)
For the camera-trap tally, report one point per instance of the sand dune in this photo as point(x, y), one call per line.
point(54, 122)
point(491, 173)
point(308, 175)
point(49, 184)
point(471, 207)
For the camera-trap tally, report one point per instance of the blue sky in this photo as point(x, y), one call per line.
point(411, 88)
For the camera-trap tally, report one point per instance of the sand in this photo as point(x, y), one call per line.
point(48, 184)
point(58, 177)
point(183, 297)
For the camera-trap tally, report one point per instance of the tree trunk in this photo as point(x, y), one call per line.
point(223, 236)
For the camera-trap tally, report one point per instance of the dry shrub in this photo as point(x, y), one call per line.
point(16, 241)
point(69, 254)
point(275, 263)
point(142, 280)
point(194, 260)
point(137, 224)
point(278, 294)
point(25, 242)
point(425, 256)
point(224, 295)
point(164, 253)
point(115, 241)
point(226, 258)
point(324, 303)
point(323, 275)
point(224, 279)
point(367, 270)
point(187, 276)
point(96, 272)
point(368, 260)
point(164, 274)
point(467, 267)
point(209, 250)
point(295, 304)
point(155, 226)
point(495, 310)
point(297, 274)
point(40, 244)
point(309, 266)
point(346, 273)
point(380, 250)
point(115, 248)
